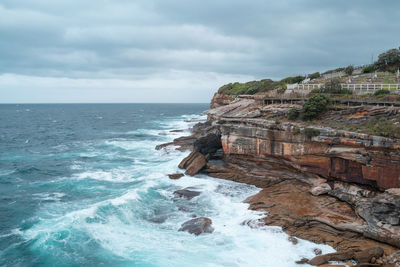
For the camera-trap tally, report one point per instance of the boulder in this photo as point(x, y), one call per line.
point(197, 226)
point(186, 193)
point(364, 256)
point(320, 189)
point(293, 240)
point(193, 163)
point(337, 256)
point(175, 176)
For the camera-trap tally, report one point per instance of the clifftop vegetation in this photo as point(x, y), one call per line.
point(387, 61)
point(253, 87)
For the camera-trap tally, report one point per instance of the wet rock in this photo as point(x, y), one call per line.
point(159, 219)
point(293, 240)
point(175, 176)
point(337, 256)
point(317, 251)
point(186, 193)
point(320, 189)
point(364, 256)
point(197, 226)
point(183, 143)
point(193, 163)
point(302, 261)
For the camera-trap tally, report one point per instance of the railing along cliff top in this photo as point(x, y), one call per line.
point(355, 87)
point(348, 102)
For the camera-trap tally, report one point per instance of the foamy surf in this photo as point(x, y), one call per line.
point(117, 208)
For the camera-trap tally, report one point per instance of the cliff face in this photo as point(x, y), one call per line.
point(356, 169)
point(336, 155)
point(221, 100)
point(332, 186)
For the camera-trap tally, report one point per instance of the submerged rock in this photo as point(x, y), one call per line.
point(175, 176)
point(197, 226)
point(186, 193)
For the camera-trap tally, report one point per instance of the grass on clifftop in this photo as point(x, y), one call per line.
point(253, 87)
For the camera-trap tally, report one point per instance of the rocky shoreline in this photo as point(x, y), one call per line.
point(338, 188)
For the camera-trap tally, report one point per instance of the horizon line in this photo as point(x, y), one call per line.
point(86, 103)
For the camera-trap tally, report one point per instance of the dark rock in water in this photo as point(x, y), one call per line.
point(175, 176)
point(302, 261)
point(176, 131)
point(317, 251)
point(197, 226)
point(160, 219)
point(293, 240)
point(183, 143)
point(364, 256)
point(337, 256)
point(186, 193)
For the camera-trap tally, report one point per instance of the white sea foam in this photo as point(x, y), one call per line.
point(48, 196)
point(140, 222)
point(6, 172)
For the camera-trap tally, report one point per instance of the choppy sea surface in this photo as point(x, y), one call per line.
point(82, 185)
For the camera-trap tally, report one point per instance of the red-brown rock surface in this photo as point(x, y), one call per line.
point(193, 163)
point(326, 188)
point(349, 157)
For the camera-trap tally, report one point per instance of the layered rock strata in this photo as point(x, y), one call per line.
point(335, 187)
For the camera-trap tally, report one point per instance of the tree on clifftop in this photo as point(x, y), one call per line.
point(349, 70)
point(390, 60)
point(315, 106)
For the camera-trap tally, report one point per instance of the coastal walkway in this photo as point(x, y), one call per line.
point(348, 102)
point(359, 89)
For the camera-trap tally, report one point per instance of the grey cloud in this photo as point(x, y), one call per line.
point(138, 40)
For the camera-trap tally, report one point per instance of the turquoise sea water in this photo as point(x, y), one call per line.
point(82, 185)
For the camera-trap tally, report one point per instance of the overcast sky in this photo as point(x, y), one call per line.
point(179, 50)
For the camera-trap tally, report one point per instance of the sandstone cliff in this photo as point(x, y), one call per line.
point(331, 186)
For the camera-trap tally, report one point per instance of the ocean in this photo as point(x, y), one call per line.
point(82, 185)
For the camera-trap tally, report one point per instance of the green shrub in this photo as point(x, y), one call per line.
point(282, 90)
point(390, 60)
point(315, 75)
point(296, 131)
point(249, 88)
point(349, 70)
point(382, 92)
point(277, 122)
point(291, 80)
point(293, 114)
point(311, 132)
point(369, 69)
point(315, 106)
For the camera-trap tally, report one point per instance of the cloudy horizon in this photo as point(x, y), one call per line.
point(179, 50)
